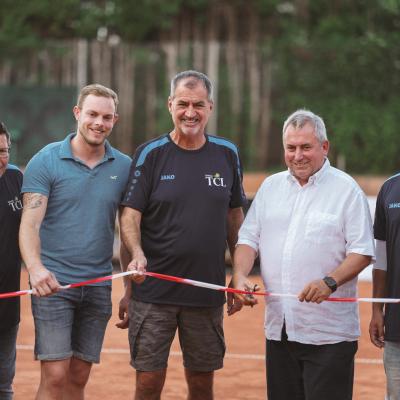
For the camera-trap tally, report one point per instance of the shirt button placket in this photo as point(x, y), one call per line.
point(287, 273)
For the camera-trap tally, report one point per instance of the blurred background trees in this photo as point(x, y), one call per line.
point(339, 58)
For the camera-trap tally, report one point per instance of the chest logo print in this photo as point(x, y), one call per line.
point(15, 204)
point(114, 177)
point(215, 180)
point(169, 177)
point(394, 205)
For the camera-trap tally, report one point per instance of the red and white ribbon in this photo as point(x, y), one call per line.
point(203, 285)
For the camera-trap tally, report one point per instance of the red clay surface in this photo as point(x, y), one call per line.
point(242, 378)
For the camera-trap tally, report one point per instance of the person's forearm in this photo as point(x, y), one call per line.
point(124, 256)
point(243, 260)
point(130, 231)
point(43, 281)
point(131, 239)
point(29, 242)
point(234, 222)
point(351, 266)
point(242, 265)
point(378, 288)
point(318, 290)
point(124, 259)
point(29, 239)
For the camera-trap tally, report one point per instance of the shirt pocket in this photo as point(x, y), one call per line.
point(322, 228)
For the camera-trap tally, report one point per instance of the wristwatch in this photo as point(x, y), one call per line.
point(330, 282)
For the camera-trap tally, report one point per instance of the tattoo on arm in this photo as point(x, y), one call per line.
point(33, 200)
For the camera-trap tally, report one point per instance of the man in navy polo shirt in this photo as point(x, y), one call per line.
point(72, 190)
point(183, 203)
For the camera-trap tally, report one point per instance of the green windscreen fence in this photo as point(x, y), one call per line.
point(35, 117)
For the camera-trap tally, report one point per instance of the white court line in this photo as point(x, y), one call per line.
point(369, 361)
point(111, 350)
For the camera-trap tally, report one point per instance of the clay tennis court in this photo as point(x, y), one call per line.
point(243, 376)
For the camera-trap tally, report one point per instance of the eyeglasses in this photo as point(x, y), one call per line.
point(4, 153)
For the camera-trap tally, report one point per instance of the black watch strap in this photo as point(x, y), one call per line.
point(330, 282)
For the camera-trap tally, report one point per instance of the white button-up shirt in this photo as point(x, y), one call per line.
point(303, 233)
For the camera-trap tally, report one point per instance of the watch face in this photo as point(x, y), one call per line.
point(330, 282)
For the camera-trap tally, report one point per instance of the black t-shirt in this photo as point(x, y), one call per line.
point(184, 197)
point(10, 260)
point(387, 228)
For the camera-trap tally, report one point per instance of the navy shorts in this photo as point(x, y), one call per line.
point(71, 322)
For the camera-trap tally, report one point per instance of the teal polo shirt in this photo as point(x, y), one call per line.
point(77, 232)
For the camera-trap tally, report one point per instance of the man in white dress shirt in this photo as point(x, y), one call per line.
point(312, 229)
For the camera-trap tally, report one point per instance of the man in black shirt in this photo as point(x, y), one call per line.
point(10, 262)
point(183, 203)
point(384, 328)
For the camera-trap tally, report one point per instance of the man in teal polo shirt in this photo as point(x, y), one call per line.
point(72, 190)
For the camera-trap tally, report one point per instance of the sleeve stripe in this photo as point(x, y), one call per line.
point(12, 167)
point(226, 143)
point(394, 176)
point(223, 142)
point(151, 146)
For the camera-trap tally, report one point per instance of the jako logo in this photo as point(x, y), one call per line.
point(167, 177)
point(215, 180)
point(394, 205)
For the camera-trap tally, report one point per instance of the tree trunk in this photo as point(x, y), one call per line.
point(264, 131)
point(169, 44)
point(254, 87)
point(151, 100)
point(234, 64)
point(125, 75)
point(198, 48)
point(213, 50)
point(183, 41)
point(101, 63)
point(82, 47)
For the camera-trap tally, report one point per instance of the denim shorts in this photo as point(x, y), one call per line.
point(152, 329)
point(71, 322)
point(8, 340)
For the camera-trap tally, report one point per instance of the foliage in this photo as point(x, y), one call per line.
point(26, 24)
point(343, 62)
point(338, 58)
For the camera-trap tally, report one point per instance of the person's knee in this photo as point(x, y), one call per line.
point(149, 384)
point(78, 380)
point(79, 372)
point(200, 384)
point(54, 375)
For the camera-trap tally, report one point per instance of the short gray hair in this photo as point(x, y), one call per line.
point(302, 117)
point(195, 77)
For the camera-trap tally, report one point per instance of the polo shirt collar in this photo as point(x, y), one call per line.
point(317, 177)
point(66, 150)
